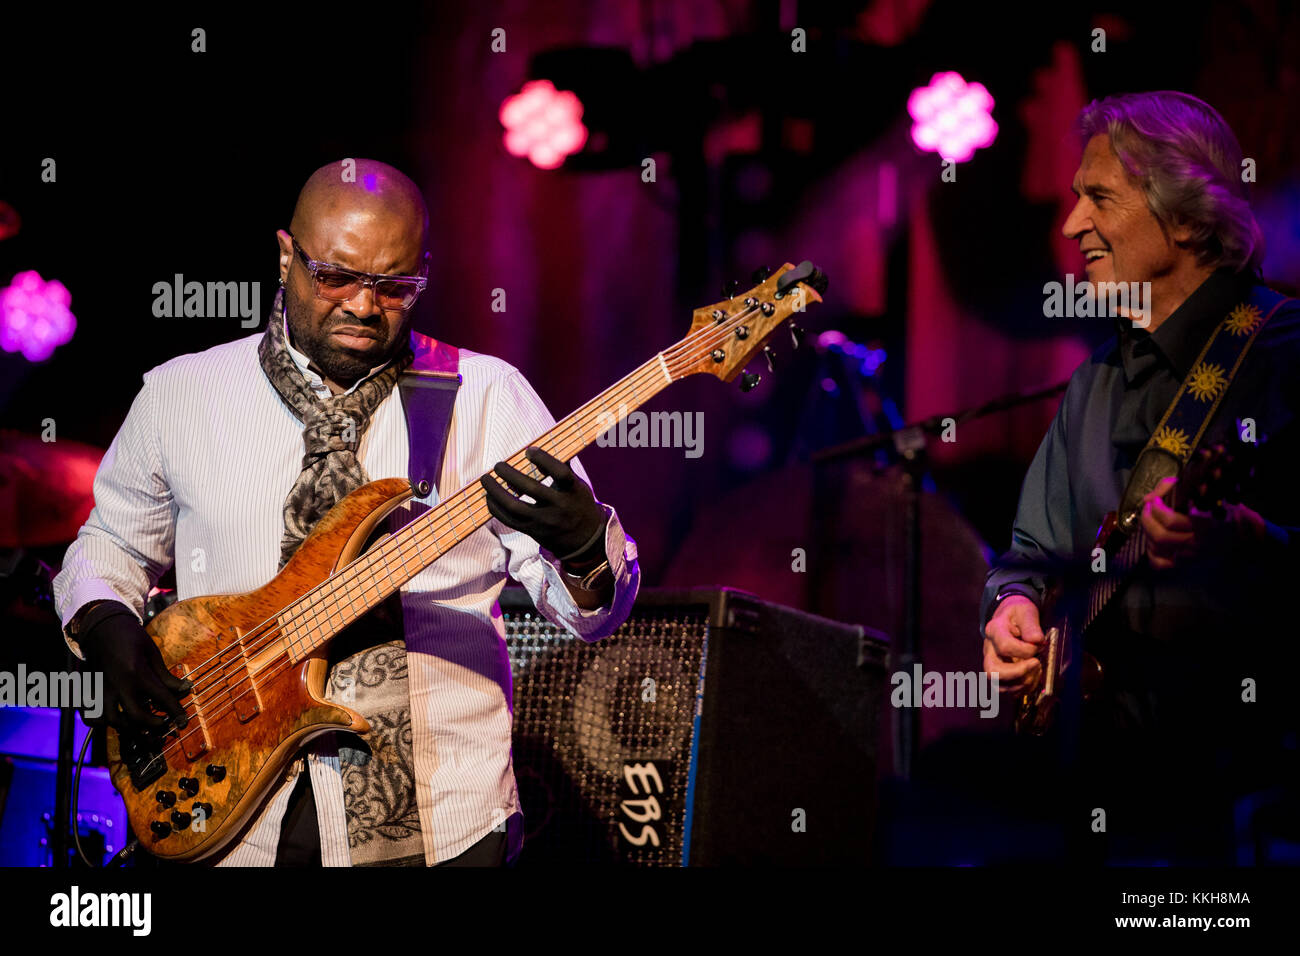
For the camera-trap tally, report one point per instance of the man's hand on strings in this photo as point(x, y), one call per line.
point(1012, 641)
point(1174, 538)
point(566, 514)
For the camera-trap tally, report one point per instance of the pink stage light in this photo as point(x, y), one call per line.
point(952, 117)
point(543, 123)
point(34, 316)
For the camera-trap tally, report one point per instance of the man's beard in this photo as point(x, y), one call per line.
point(341, 367)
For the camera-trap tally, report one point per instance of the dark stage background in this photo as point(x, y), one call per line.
point(171, 161)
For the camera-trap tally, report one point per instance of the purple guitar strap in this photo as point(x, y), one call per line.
point(428, 390)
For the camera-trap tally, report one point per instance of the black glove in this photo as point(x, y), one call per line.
point(135, 677)
point(566, 516)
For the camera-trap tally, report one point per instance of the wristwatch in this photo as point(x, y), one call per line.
point(586, 581)
point(74, 625)
point(87, 616)
point(590, 570)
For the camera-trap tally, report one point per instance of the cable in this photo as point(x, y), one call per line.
point(76, 801)
point(123, 854)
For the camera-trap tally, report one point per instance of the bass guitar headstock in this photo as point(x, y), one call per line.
point(724, 336)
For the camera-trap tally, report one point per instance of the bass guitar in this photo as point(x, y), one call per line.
point(257, 660)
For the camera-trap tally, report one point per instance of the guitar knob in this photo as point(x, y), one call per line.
point(731, 288)
point(188, 784)
point(181, 819)
point(165, 797)
point(160, 828)
point(216, 773)
point(761, 273)
point(796, 335)
point(749, 380)
point(204, 808)
point(769, 355)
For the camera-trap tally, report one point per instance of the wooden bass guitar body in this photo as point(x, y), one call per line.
point(257, 660)
point(189, 793)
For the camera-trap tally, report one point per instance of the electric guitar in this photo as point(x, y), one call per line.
point(1212, 477)
point(257, 660)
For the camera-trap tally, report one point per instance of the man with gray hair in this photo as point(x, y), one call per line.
point(1193, 711)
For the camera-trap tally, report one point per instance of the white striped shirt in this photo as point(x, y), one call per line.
point(198, 474)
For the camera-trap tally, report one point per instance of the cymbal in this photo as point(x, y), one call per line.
point(46, 489)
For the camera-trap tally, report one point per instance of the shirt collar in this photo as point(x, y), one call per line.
point(1180, 338)
point(309, 372)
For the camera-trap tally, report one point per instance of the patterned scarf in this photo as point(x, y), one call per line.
point(331, 432)
point(368, 666)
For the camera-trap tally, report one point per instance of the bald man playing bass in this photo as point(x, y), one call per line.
point(229, 457)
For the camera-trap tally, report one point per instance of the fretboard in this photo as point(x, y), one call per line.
point(1107, 585)
point(352, 591)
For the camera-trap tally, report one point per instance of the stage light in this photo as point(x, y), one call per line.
point(868, 357)
point(34, 316)
point(952, 117)
point(543, 123)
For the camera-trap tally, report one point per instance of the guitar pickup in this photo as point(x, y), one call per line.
point(1053, 665)
point(195, 745)
point(245, 697)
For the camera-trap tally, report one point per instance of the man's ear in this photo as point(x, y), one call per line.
point(1180, 233)
point(286, 254)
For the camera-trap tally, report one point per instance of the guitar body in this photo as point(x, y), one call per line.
point(1036, 709)
point(1210, 478)
point(249, 722)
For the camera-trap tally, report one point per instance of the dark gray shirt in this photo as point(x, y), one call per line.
point(1166, 621)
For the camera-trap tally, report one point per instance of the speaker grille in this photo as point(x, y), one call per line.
point(603, 736)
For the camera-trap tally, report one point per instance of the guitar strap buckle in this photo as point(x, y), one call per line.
point(1153, 465)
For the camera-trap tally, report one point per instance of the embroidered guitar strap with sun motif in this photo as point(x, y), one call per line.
point(1198, 398)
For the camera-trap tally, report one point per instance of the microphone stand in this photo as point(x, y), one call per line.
point(910, 443)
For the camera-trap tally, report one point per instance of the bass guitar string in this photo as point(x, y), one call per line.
point(267, 631)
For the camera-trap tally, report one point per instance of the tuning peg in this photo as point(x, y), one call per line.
point(769, 355)
point(749, 380)
point(730, 288)
point(761, 273)
point(796, 334)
